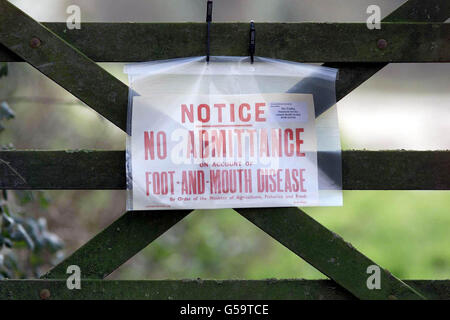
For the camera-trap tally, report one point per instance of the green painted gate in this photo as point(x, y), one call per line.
point(415, 32)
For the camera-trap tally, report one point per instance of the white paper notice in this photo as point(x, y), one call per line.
point(223, 151)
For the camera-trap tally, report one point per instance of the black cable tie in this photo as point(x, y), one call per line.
point(209, 8)
point(252, 44)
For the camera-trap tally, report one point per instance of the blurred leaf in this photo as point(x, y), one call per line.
point(52, 242)
point(10, 262)
point(7, 242)
point(6, 112)
point(8, 266)
point(7, 221)
point(17, 233)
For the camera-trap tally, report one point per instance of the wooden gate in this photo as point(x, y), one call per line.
point(415, 32)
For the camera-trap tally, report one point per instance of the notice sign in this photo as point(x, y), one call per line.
point(222, 151)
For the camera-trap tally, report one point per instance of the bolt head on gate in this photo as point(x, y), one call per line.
point(382, 44)
point(44, 294)
point(35, 42)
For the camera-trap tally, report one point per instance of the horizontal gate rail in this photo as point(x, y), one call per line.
point(362, 170)
point(307, 42)
point(270, 289)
